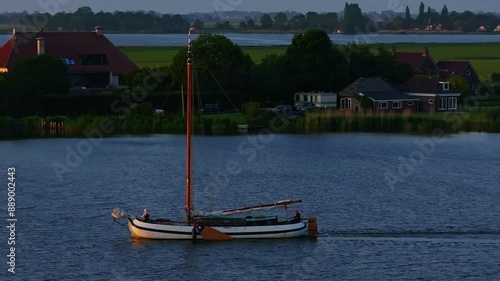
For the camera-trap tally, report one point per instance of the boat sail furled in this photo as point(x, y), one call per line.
point(216, 225)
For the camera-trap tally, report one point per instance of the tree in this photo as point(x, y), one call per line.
point(280, 21)
point(354, 21)
point(242, 25)
point(266, 22)
point(445, 18)
point(217, 61)
point(407, 20)
point(312, 19)
point(298, 22)
point(198, 24)
point(460, 83)
point(250, 24)
point(47, 75)
point(421, 21)
point(312, 63)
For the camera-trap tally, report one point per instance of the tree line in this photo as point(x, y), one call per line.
point(311, 63)
point(351, 20)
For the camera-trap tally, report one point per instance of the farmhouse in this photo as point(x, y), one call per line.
point(464, 69)
point(383, 96)
point(92, 60)
point(433, 94)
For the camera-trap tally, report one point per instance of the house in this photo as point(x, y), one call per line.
point(384, 97)
point(320, 99)
point(482, 28)
point(433, 94)
point(497, 29)
point(420, 62)
point(461, 68)
point(92, 60)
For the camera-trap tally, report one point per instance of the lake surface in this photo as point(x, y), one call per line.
point(389, 207)
point(243, 39)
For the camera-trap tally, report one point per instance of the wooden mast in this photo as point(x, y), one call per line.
point(188, 132)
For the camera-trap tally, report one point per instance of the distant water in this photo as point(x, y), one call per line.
point(243, 39)
point(439, 221)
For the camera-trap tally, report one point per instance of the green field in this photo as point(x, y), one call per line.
point(154, 56)
point(485, 57)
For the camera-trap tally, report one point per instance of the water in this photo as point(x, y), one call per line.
point(439, 222)
point(243, 39)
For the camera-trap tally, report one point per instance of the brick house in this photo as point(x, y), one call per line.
point(384, 97)
point(433, 94)
point(92, 60)
point(461, 68)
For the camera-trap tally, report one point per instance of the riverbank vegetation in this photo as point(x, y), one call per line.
point(479, 120)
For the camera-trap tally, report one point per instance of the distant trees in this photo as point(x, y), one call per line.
point(353, 21)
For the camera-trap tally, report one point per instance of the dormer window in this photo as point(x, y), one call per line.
point(446, 86)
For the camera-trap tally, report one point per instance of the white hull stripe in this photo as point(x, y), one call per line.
point(228, 233)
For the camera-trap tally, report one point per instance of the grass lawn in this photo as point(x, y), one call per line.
point(154, 56)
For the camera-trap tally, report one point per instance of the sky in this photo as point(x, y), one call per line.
point(189, 6)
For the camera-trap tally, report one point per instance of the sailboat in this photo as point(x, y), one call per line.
point(221, 225)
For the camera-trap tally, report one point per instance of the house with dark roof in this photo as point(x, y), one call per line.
point(92, 60)
point(433, 94)
point(461, 68)
point(384, 97)
point(420, 62)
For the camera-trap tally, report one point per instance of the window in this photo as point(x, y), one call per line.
point(442, 105)
point(397, 104)
point(431, 101)
point(446, 86)
point(467, 73)
point(68, 61)
point(345, 103)
point(410, 103)
point(383, 105)
point(349, 105)
point(452, 103)
point(342, 104)
point(94, 59)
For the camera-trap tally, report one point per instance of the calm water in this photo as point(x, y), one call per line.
point(286, 39)
point(439, 221)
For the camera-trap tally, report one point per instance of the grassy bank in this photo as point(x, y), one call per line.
point(485, 120)
point(485, 57)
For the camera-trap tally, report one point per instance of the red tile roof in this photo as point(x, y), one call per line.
point(67, 45)
point(415, 60)
point(449, 68)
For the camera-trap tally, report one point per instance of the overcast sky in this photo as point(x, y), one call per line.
point(188, 6)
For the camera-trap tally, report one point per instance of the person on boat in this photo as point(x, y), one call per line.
point(145, 215)
point(296, 218)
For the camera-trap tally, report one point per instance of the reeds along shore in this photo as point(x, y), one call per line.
point(487, 120)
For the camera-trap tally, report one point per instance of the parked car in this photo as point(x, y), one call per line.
point(303, 106)
point(284, 108)
point(210, 108)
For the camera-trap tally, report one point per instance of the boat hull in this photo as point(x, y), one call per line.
point(145, 230)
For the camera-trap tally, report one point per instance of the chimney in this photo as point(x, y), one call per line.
point(14, 33)
point(426, 51)
point(98, 30)
point(40, 45)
